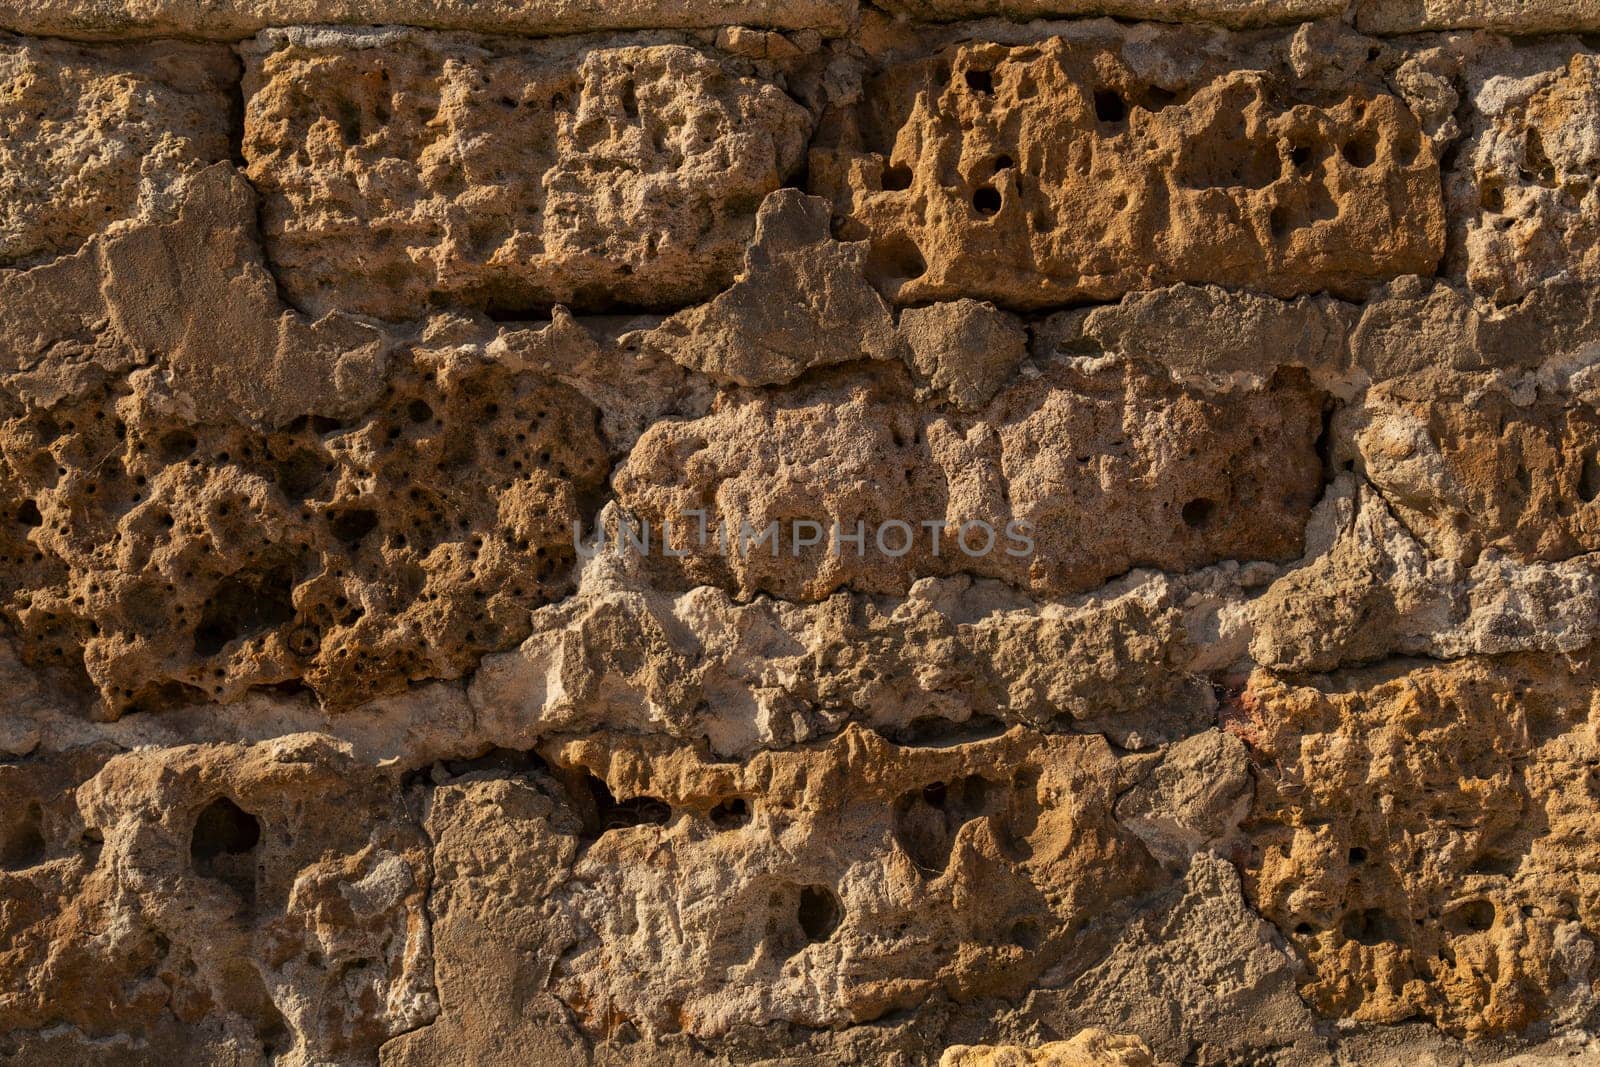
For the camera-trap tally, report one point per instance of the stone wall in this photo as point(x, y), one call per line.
point(376, 695)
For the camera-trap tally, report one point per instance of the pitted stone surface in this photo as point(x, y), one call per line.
point(998, 841)
point(1419, 837)
point(1076, 168)
point(1534, 172)
point(403, 171)
point(224, 900)
point(90, 136)
point(857, 454)
point(182, 561)
point(1209, 678)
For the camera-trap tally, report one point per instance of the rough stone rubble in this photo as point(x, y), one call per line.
point(1276, 323)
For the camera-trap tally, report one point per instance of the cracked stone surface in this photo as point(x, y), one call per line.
point(379, 690)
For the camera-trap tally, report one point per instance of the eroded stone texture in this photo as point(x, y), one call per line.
point(801, 301)
point(587, 356)
point(964, 351)
point(1228, 12)
point(234, 901)
point(1213, 337)
point(92, 136)
point(1081, 452)
point(1522, 17)
point(170, 559)
point(1081, 167)
point(976, 866)
point(333, 509)
point(1421, 835)
point(953, 655)
point(1089, 1048)
point(1206, 333)
point(1282, 342)
point(1198, 975)
point(1416, 326)
point(403, 171)
point(1370, 589)
point(241, 18)
point(1474, 462)
point(118, 305)
point(1532, 208)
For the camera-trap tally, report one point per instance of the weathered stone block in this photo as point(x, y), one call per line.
point(1422, 837)
point(1530, 195)
point(92, 136)
point(166, 559)
point(1083, 455)
point(403, 171)
point(1077, 168)
point(1507, 16)
point(1471, 465)
point(1227, 12)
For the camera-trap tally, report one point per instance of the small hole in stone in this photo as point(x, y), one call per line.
point(1280, 221)
point(175, 445)
point(1109, 107)
point(244, 605)
point(419, 411)
point(1358, 856)
point(28, 514)
point(980, 81)
point(1535, 161)
point(22, 843)
point(352, 526)
point(607, 813)
point(1158, 99)
point(818, 912)
point(1473, 917)
point(986, 201)
point(1198, 512)
point(896, 177)
point(1360, 151)
point(730, 814)
point(895, 259)
point(1589, 479)
point(1368, 927)
point(1025, 935)
point(223, 829)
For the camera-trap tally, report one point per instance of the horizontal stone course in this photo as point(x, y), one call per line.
point(1506, 16)
point(234, 19)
